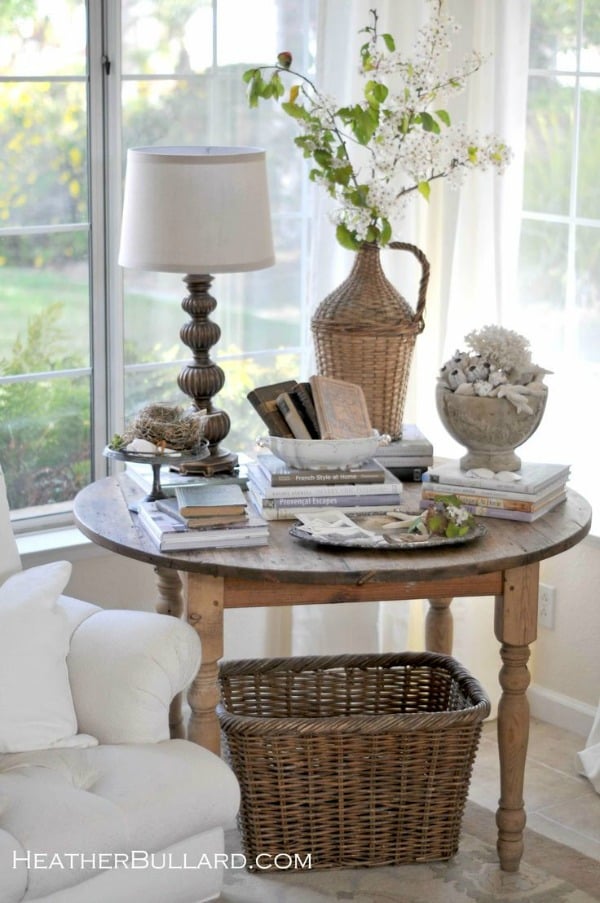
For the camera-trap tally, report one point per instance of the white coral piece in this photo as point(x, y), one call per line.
point(498, 365)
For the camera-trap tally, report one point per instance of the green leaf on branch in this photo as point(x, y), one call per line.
point(444, 116)
point(255, 90)
point(363, 123)
point(365, 56)
point(428, 122)
point(322, 157)
point(472, 152)
point(295, 111)
point(375, 92)
point(294, 91)
point(358, 196)
point(385, 232)
point(340, 175)
point(249, 74)
point(424, 189)
point(277, 86)
point(389, 42)
point(346, 238)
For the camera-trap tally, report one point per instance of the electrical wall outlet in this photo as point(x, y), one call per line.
point(546, 605)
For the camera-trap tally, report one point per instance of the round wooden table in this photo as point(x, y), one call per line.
point(504, 563)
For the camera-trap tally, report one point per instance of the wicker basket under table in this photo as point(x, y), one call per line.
point(357, 760)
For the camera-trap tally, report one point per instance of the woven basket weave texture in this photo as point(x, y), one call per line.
point(365, 332)
point(355, 760)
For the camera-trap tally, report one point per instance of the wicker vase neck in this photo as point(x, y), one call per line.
point(367, 297)
point(365, 331)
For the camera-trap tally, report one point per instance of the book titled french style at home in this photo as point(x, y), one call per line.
point(533, 477)
point(281, 474)
point(168, 533)
point(210, 499)
point(389, 485)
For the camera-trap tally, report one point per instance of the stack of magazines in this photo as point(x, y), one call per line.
point(281, 492)
point(525, 495)
point(204, 517)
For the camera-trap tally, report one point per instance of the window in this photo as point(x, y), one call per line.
point(45, 364)
point(559, 269)
point(83, 344)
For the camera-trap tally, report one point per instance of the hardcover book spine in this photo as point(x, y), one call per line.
point(264, 401)
point(504, 513)
point(333, 501)
point(408, 474)
point(331, 478)
point(257, 476)
point(481, 501)
point(292, 416)
point(274, 419)
point(302, 397)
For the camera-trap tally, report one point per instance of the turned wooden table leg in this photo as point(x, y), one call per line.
point(515, 627)
point(204, 597)
point(439, 626)
point(170, 602)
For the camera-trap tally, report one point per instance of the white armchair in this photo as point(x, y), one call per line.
point(96, 802)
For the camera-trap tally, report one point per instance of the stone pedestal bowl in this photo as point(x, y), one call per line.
point(489, 428)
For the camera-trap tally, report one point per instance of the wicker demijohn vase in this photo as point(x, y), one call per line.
point(365, 332)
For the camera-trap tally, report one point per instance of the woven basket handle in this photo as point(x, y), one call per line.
point(405, 246)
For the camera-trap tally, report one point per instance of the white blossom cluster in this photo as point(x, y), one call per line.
point(498, 365)
point(403, 156)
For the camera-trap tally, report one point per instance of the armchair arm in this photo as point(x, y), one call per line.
point(125, 667)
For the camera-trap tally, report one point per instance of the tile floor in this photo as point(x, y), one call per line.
point(560, 803)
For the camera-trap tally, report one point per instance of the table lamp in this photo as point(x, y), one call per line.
point(198, 211)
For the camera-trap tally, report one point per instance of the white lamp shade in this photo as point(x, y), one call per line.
point(196, 210)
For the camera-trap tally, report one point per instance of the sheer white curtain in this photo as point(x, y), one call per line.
point(471, 240)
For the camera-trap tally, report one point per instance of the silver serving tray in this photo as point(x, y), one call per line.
point(390, 541)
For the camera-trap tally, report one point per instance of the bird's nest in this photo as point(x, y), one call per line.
point(167, 426)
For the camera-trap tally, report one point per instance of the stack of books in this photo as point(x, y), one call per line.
point(409, 457)
point(204, 517)
point(538, 489)
point(281, 492)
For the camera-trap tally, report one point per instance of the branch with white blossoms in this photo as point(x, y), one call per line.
point(498, 365)
point(374, 156)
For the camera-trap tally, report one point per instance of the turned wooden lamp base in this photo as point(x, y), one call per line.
point(201, 378)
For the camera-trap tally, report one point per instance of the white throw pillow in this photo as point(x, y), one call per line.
point(36, 705)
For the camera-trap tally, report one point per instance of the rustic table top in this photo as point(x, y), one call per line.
point(101, 512)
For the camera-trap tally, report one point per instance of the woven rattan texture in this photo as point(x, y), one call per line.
point(355, 760)
point(365, 332)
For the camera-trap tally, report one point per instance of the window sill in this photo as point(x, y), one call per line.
point(53, 545)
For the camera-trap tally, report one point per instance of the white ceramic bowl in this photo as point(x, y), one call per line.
point(323, 454)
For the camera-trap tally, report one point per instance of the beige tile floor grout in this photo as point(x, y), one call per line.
point(560, 803)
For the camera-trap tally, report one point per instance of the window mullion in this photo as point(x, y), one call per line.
point(97, 243)
point(115, 389)
point(571, 322)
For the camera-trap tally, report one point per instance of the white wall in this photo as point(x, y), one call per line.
point(566, 660)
